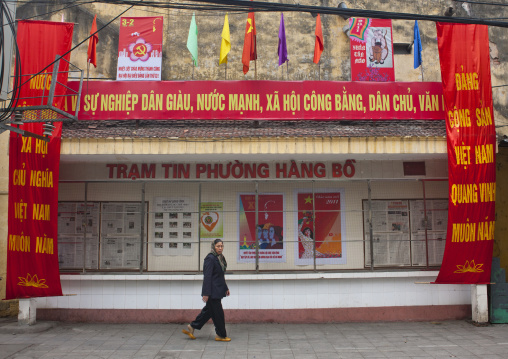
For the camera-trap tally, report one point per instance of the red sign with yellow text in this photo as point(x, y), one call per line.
point(36, 55)
point(465, 72)
point(32, 251)
point(259, 100)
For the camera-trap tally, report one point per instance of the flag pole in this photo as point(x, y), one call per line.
point(226, 72)
point(87, 73)
point(193, 66)
point(422, 70)
point(287, 69)
point(255, 70)
point(319, 70)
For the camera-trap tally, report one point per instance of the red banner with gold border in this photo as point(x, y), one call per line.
point(258, 100)
point(471, 137)
point(32, 251)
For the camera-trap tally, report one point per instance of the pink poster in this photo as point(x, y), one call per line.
point(267, 233)
point(371, 43)
point(320, 219)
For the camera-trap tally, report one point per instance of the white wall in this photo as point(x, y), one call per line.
point(265, 291)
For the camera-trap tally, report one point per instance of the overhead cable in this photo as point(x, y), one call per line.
point(262, 6)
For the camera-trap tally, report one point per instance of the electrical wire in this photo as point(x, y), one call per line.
point(260, 6)
point(54, 11)
point(79, 44)
point(483, 3)
point(242, 6)
point(16, 89)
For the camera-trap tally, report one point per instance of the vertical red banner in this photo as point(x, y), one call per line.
point(140, 49)
point(32, 251)
point(371, 42)
point(471, 137)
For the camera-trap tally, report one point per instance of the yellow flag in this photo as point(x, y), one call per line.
point(225, 45)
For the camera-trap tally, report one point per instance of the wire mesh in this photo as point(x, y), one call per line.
point(266, 226)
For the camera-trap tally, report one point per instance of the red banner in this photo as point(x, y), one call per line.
point(465, 72)
point(371, 43)
point(36, 53)
point(140, 49)
point(264, 100)
point(32, 251)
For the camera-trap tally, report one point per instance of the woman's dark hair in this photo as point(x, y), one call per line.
point(310, 230)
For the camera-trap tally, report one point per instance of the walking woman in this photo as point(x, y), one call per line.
point(214, 289)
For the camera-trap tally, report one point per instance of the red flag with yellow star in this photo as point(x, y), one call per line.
point(249, 43)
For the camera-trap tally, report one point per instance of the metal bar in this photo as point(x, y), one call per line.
point(142, 234)
point(79, 96)
point(256, 231)
point(314, 225)
point(273, 180)
point(426, 221)
point(199, 229)
point(86, 224)
point(43, 88)
point(67, 88)
point(23, 132)
point(53, 80)
point(371, 235)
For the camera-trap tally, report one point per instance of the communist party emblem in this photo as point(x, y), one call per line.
point(140, 50)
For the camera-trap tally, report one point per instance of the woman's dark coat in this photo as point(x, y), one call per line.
point(214, 283)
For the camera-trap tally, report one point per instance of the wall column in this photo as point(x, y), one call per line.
point(27, 311)
point(479, 303)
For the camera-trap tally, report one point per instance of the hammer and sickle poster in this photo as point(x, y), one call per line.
point(140, 49)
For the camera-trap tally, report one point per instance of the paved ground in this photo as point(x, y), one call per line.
point(451, 339)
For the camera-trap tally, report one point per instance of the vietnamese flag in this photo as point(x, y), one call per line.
point(92, 43)
point(319, 45)
point(249, 44)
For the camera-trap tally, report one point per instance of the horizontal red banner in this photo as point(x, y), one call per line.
point(259, 100)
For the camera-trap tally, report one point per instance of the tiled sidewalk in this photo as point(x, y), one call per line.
point(453, 339)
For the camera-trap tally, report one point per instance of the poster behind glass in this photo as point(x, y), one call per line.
point(267, 234)
point(433, 240)
point(390, 229)
point(320, 218)
point(120, 245)
point(173, 227)
point(78, 235)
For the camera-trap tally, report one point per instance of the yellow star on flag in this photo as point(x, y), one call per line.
point(249, 20)
point(308, 200)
